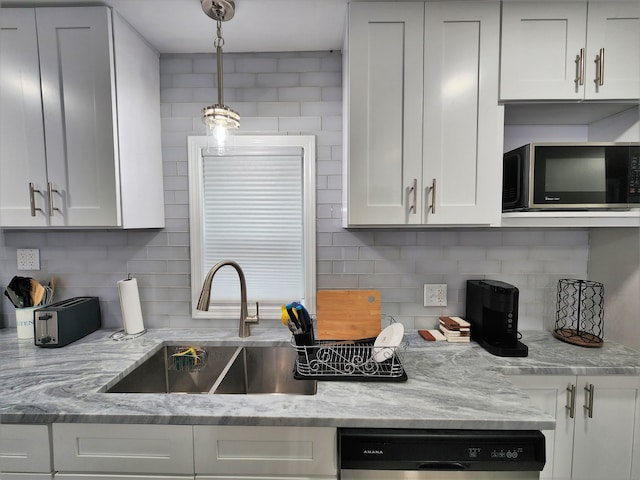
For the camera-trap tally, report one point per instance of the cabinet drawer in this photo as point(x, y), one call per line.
point(106, 476)
point(25, 476)
point(226, 450)
point(270, 477)
point(164, 449)
point(24, 448)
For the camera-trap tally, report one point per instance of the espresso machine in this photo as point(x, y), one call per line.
point(492, 310)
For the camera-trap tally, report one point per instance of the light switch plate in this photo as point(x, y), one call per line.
point(435, 295)
point(28, 259)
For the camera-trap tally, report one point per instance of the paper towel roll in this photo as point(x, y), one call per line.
point(130, 304)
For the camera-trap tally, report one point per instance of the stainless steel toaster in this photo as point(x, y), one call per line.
point(61, 323)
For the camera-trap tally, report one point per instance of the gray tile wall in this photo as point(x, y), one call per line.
point(291, 93)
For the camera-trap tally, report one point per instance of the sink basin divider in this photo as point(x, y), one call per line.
point(166, 370)
point(223, 373)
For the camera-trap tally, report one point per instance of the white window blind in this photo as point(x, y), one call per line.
point(252, 214)
point(254, 209)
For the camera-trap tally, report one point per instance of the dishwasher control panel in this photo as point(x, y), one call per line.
point(440, 450)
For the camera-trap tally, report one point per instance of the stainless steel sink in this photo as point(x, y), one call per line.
point(264, 370)
point(154, 375)
point(225, 370)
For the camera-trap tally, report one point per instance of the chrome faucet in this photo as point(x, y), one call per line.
point(205, 294)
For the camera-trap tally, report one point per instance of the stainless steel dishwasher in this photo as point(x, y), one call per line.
point(389, 454)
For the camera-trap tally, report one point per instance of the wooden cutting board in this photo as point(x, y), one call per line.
point(347, 314)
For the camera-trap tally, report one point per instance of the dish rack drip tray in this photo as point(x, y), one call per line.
point(349, 360)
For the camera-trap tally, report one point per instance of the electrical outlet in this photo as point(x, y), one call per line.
point(435, 295)
point(28, 259)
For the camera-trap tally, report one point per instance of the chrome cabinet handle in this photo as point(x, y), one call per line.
point(52, 208)
point(579, 80)
point(599, 61)
point(32, 200)
point(590, 389)
point(572, 400)
point(413, 190)
point(432, 189)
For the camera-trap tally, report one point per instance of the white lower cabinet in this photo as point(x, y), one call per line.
point(183, 452)
point(25, 452)
point(596, 434)
point(113, 476)
point(273, 453)
point(137, 451)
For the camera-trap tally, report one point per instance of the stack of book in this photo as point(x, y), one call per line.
point(455, 329)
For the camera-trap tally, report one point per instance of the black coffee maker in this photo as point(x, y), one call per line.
point(492, 310)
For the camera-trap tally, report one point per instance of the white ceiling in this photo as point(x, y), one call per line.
point(180, 26)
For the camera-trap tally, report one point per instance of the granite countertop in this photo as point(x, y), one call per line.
point(449, 385)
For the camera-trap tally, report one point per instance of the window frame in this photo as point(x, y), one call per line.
point(196, 146)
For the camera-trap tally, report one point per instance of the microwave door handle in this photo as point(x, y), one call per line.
point(520, 178)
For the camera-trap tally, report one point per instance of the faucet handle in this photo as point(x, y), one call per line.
point(254, 318)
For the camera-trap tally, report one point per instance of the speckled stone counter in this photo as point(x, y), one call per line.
point(449, 385)
point(550, 356)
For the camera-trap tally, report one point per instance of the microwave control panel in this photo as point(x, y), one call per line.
point(634, 176)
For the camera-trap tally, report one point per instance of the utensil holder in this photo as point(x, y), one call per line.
point(24, 321)
point(304, 339)
point(580, 312)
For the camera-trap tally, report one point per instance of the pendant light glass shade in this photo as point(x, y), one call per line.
point(220, 121)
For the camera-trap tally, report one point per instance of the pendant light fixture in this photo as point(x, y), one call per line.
point(219, 119)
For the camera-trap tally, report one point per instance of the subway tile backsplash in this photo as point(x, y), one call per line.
point(293, 93)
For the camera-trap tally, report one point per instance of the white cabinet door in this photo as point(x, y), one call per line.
point(549, 392)
point(461, 174)
point(116, 476)
point(613, 33)
point(123, 448)
point(77, 77)
point(383, 61)
point(583, 447)
point(24, 449)
point(603, 445)
point(22, 153)
point(541, 45)
point(265, 452)
point(267, 477)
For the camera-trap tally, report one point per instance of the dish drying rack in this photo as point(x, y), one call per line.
point(350, 360)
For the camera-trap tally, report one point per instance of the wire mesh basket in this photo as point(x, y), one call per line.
point(580, 312)
point(186, 359)
point(350, 360)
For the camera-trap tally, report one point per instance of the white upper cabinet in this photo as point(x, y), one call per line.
point(570, 51)
point(422, 137)
point(80, 137)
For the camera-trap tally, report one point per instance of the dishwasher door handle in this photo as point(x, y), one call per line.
point(442, 466)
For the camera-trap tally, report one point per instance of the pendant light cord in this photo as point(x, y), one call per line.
point(219, 42)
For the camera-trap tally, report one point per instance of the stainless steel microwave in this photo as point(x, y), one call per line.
point(571, 176)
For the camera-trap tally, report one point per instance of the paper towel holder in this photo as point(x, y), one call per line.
point(122, 334)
